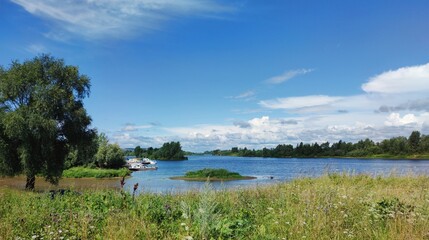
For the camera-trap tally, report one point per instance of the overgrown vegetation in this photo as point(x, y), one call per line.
point(82, 172)
point(416, 146)
point(334, 206)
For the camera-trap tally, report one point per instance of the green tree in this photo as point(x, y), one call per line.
point(138, 151)
point(414, 141)
point(170, 151)
point(42, 117)
point(109, 155)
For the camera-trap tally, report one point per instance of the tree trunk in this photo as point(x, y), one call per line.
point(31, 180)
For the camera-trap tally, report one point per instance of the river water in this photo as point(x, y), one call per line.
point(266, 170)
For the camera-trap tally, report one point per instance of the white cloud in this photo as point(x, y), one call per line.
point(300, 103)
point(360, 118)
point(36, 48)
point(288, 75)
point(95, 19)
point(245, 95)
point(402, 80)
point(395, 119)
point(133, 128)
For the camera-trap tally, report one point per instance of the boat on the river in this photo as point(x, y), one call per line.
point(137, 164)
point(148, 161)
point(141, 167)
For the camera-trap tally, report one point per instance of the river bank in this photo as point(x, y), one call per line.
point(334, 206)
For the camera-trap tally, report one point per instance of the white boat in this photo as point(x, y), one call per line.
point(148, 161)
point(141, 167)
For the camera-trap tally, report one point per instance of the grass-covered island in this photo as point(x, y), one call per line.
point(212, 174)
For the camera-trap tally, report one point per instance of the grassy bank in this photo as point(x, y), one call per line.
point(82, 172)
point(329, 207)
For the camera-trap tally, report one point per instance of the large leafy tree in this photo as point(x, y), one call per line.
point(109, 155)
point(42, 117)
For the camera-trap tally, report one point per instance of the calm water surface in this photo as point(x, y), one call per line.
point(281, 169)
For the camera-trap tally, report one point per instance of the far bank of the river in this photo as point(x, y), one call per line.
point(377, 156)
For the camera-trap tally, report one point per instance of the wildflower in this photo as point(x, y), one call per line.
point(188, 238)
point(186, 228)
point(276, 222)
point(60, 231)
point(34, 237)
point(270, 209)
point(183, 224)
point(91, 227)
point(287, 223)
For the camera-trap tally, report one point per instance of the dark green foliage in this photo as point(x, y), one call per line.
point(169, 151)
point(393, 147)
point(138, 151)
point(213, 173)
point(42, 117)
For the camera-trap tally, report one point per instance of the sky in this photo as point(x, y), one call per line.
point(216, 74)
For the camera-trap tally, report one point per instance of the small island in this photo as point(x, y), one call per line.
point(212, 174)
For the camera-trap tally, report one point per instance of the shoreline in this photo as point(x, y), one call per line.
point(419, 158)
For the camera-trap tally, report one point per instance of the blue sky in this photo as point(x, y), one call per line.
point(217, 74)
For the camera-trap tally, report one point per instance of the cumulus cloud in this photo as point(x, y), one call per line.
point(395, 119)
point(287, 75)
point(268, 132)
point(95, 19)
point(402, 80)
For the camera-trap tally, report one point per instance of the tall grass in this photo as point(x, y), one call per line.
point(83, 172)
point(334, 206)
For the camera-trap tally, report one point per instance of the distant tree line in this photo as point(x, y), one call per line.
point(415, 144)
point(168, 151)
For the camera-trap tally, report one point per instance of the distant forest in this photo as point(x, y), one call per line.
point(415, 146)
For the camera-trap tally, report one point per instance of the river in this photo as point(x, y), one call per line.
point(267, 170)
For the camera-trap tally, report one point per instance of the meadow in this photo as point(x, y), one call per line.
point(334, 206)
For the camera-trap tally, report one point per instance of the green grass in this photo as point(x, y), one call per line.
point(334, 206)
point(212, 172)
point(82, 172)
